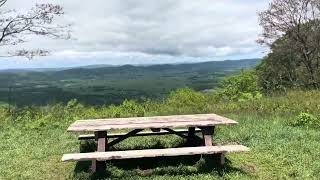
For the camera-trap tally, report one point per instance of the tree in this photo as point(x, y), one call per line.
point(39, 21)
point(280, 69)
point(299, 22)
point(2, 2)
point(240, 87)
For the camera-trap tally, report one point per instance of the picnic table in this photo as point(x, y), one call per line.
point(159, 125)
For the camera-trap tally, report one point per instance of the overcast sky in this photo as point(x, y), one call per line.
point(148, 32)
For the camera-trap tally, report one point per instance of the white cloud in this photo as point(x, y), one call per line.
point(178, 28)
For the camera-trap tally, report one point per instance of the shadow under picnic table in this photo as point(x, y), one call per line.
point(201, 164)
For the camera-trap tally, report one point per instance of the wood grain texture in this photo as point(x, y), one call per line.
point(207, 133)
point(103, 156)
point(102, 146)
point(102, 141)
point(222, 160)
point(178, 121)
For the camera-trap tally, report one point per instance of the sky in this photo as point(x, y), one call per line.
point(120, 32)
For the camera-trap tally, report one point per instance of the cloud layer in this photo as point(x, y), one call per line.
point(152, 28)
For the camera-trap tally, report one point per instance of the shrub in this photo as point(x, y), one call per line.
point(241, 87)
point(306, 119)
point(187, 100)
point(131, 108)
point(74, 104)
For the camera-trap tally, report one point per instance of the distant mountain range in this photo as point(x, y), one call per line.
point(244, 62)
point(105, 84)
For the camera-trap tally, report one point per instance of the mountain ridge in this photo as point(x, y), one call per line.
point(96, 66)
point(113, 85)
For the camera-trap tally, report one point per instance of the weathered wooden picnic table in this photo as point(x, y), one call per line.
point(160, 125)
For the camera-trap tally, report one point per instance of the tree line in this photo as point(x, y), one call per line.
point(291, 28)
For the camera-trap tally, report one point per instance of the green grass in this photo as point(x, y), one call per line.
point(32, 149)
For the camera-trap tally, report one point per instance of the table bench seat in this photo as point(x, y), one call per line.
point(131, 154)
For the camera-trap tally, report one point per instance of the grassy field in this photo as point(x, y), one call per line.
point(33, 139)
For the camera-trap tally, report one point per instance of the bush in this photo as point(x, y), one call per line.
point(181, 101)
point(132, 108)
point(187, 100)
point(241, 87)
point(307, 120)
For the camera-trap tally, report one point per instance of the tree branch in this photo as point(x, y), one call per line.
point(2, 2)
point(38, 21)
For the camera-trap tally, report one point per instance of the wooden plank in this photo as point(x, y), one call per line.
point(150, 122)
point(102, 141)
point(222, 160)
point(207, 133)
point(191, 140)
point(86, 136)
point(146, 133)
point(191, 132)
point(102, 146)
point(104, 156)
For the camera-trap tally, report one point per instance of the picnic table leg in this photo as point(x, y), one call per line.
point(191, 135)
point(207, 133)
point(102, 146)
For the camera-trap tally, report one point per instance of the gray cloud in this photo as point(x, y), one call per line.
point(179, 28)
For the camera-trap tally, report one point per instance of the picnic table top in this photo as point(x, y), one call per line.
point(177, 121)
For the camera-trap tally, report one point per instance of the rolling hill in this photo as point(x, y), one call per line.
point(103, 84)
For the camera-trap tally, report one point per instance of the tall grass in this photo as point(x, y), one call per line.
point(33, 139)
point(183, 101)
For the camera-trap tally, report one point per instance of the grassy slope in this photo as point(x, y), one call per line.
point(31, 150)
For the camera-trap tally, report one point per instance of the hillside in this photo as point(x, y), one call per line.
point(100, 85)
point(33, 140)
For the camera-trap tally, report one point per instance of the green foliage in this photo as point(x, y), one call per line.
point(74, 104)
point(131, 109)
point(241, 87)
point(36, 137)
point(181, 101)
point(186, 101)
point(306, 119)
point(293, 63)
point(281, 69)
point(112, 85)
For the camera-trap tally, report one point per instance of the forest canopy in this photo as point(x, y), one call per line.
point(292, 31)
